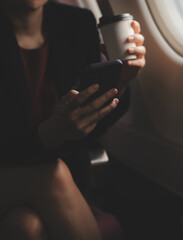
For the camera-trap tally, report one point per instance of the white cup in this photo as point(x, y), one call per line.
point(115, 31)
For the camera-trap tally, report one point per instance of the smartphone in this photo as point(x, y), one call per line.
point(106, 74)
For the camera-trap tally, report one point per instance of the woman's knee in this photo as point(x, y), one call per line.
point(62, 174)
point(57, 177)
point(23, 223)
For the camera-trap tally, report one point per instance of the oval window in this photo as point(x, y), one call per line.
point(168, 16)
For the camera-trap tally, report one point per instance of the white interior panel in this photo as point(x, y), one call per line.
point(150, 136)
point(93, 6)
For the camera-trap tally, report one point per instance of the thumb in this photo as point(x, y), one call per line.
point(69, 96)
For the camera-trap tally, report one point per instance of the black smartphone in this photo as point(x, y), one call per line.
point(106, 74)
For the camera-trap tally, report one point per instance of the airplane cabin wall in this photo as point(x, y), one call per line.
point(150, 136)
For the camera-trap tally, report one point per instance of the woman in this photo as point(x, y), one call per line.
point(44, 47)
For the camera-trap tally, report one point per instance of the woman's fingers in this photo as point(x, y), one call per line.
point(69, 96)
point(93, 118)
point(79, 117)
point(139, 62)
point(83, 96)
point(136, 38)
point(99, 102)
point(89, 128)
point(139, 51)
point(136, 27)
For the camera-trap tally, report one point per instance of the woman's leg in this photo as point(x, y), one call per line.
point(50, 191)
point(22, 224)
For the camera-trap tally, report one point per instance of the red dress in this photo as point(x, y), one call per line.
point(43, 91)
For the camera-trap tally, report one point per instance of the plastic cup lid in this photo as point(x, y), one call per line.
point(111, 19)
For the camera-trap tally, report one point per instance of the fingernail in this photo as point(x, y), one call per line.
point(115, 90)
point(131, 50)
point(115, 101)
point(95, 86)
point(131, 38)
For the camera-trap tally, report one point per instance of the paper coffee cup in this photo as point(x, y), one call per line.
point(115, 31)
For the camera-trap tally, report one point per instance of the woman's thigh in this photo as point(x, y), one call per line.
point(23, 185)
point(18, 185)
point(50, 191)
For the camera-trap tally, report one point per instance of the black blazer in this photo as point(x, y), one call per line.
point(73, 43)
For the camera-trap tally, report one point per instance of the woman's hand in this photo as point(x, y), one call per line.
point(139, 50)
point(72, 120)
point(131, 67)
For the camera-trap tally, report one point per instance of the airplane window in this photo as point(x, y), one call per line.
point(179, 4)
point(168, 16)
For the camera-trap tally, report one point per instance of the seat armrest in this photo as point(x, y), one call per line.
point(98, 155)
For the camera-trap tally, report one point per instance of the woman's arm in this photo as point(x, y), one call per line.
point(129, 71)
